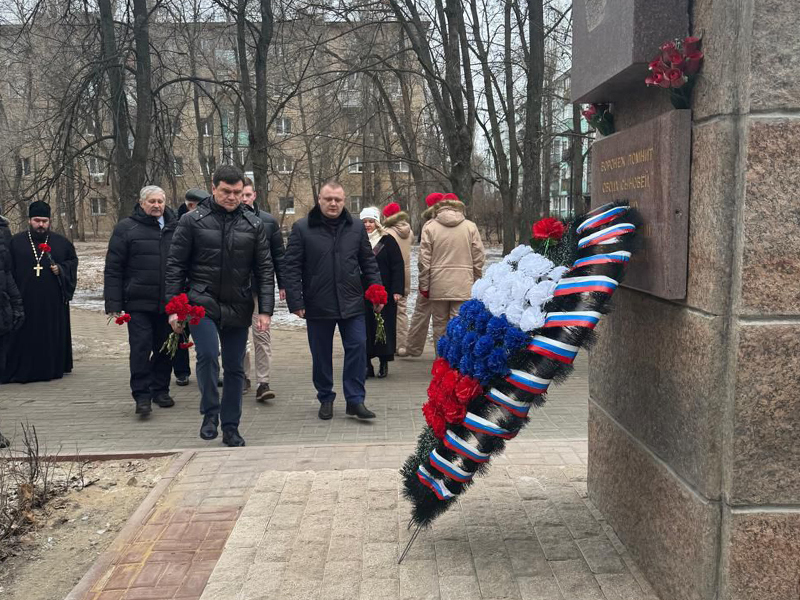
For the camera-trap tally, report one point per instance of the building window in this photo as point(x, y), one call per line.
point(284, 164)
point(25, 166)
point(98, 207)
point(177, 166)
point(398, 166)
point(355, 204)
point(286, 204)
point(243, 156)
point(284, 126)
point(355, 165)
point(96, 166)
point(208, 127)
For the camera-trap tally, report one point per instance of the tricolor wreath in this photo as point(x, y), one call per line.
point(521, 331)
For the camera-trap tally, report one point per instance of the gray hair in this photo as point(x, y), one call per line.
point(149, 190)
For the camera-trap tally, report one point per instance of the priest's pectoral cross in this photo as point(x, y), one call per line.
point(38, 269)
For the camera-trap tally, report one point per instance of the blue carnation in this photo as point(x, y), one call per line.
point(459, 331)
point(481, 320)
point(483, 346)
point(452, 326)
point(480, 371)
point(466, 365)
point(497, 328)
point(496, 362)
point(470, 309)
point(453, 354)
point(515, 339)
point(441, 347)
point(468, 342)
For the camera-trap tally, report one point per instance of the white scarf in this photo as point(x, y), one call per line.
point(375, 236)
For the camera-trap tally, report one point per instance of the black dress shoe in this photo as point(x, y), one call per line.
point(143, 408)
point(370, 370)
point(208, 430)
point(383, 371)
point(360, 411)
point(182, 381)
point(231, 437)
point(325, 411)
point(164, 400)
point(263, 393)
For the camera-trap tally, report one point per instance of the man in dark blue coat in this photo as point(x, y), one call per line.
point(327, 255)
point(134, 284)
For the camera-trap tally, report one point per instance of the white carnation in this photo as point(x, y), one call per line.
point(535, 265)
point(497, 272)
point(479, 288)
point(514, 311)
point(557, 273)
point(532, 318)
point(517, 253)
point(520, 286)
point(540, 293)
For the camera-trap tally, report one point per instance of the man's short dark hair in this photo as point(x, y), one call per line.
point(229, 174)
point(248, 182)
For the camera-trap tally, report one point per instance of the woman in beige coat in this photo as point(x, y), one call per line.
point(451, 258)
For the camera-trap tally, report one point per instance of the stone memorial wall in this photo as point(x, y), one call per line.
point(694, 427)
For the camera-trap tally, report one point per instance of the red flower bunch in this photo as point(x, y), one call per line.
point(122, 319)
point(599, 116)
point(376, 294)
point(187, 314)
point(449, 393)
point(548, 229)
point(45, 248)
point(675, 68)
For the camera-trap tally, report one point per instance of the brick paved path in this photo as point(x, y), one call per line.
point(526, 531)
point(91, 410)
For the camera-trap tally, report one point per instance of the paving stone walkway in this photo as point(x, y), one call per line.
point(255, 524)
point(91, 410)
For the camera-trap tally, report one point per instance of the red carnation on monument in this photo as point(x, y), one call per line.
point(675, 68)
point(548, 229)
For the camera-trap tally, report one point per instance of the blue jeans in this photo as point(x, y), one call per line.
point(354, 341)
point(233, 341)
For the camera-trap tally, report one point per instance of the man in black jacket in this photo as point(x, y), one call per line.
point(12, 312)
point(327, 254)
point(134, 283)
point(262, 340)
point(215, 251)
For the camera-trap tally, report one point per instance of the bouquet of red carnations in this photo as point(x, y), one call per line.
point(599, 116)
point(187, 315)
point(376, 294)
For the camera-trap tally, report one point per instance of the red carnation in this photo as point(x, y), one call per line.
point(454, 412)
point(467, 389)
point(449, 381)
point(435, 418)
point(185, 345)
point(122, 319)
point(45, 247)
point(376, 294)
point(590, 112)
point(440, 367)
point(391, 209)
point(675, 78)
point(693, 62)
point(548, 229)
point(433, 198)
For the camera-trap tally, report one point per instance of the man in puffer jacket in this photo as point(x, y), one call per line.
point(328, 255)
point(215, 251)
point(11, 309)
point(134, 283)
point(451, 259)
point(395, 223)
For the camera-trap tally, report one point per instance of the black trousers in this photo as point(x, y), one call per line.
point(151, 369)
point(180, 364)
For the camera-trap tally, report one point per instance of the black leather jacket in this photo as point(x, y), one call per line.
point(213, 255)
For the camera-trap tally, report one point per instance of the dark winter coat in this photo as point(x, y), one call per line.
point(275, 238)
point(324, 264)
point(11, 311)
point(392, 268)
point(5, 232)
point(136, 263)
point(213, 255)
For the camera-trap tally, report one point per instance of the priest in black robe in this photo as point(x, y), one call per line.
point(41, 349)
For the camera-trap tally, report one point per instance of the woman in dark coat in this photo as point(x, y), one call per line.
point(392, 268)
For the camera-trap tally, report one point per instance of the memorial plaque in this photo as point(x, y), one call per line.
point(648, 165)
point(614, 40)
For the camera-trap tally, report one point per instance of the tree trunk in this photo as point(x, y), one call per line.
point(578, 204)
